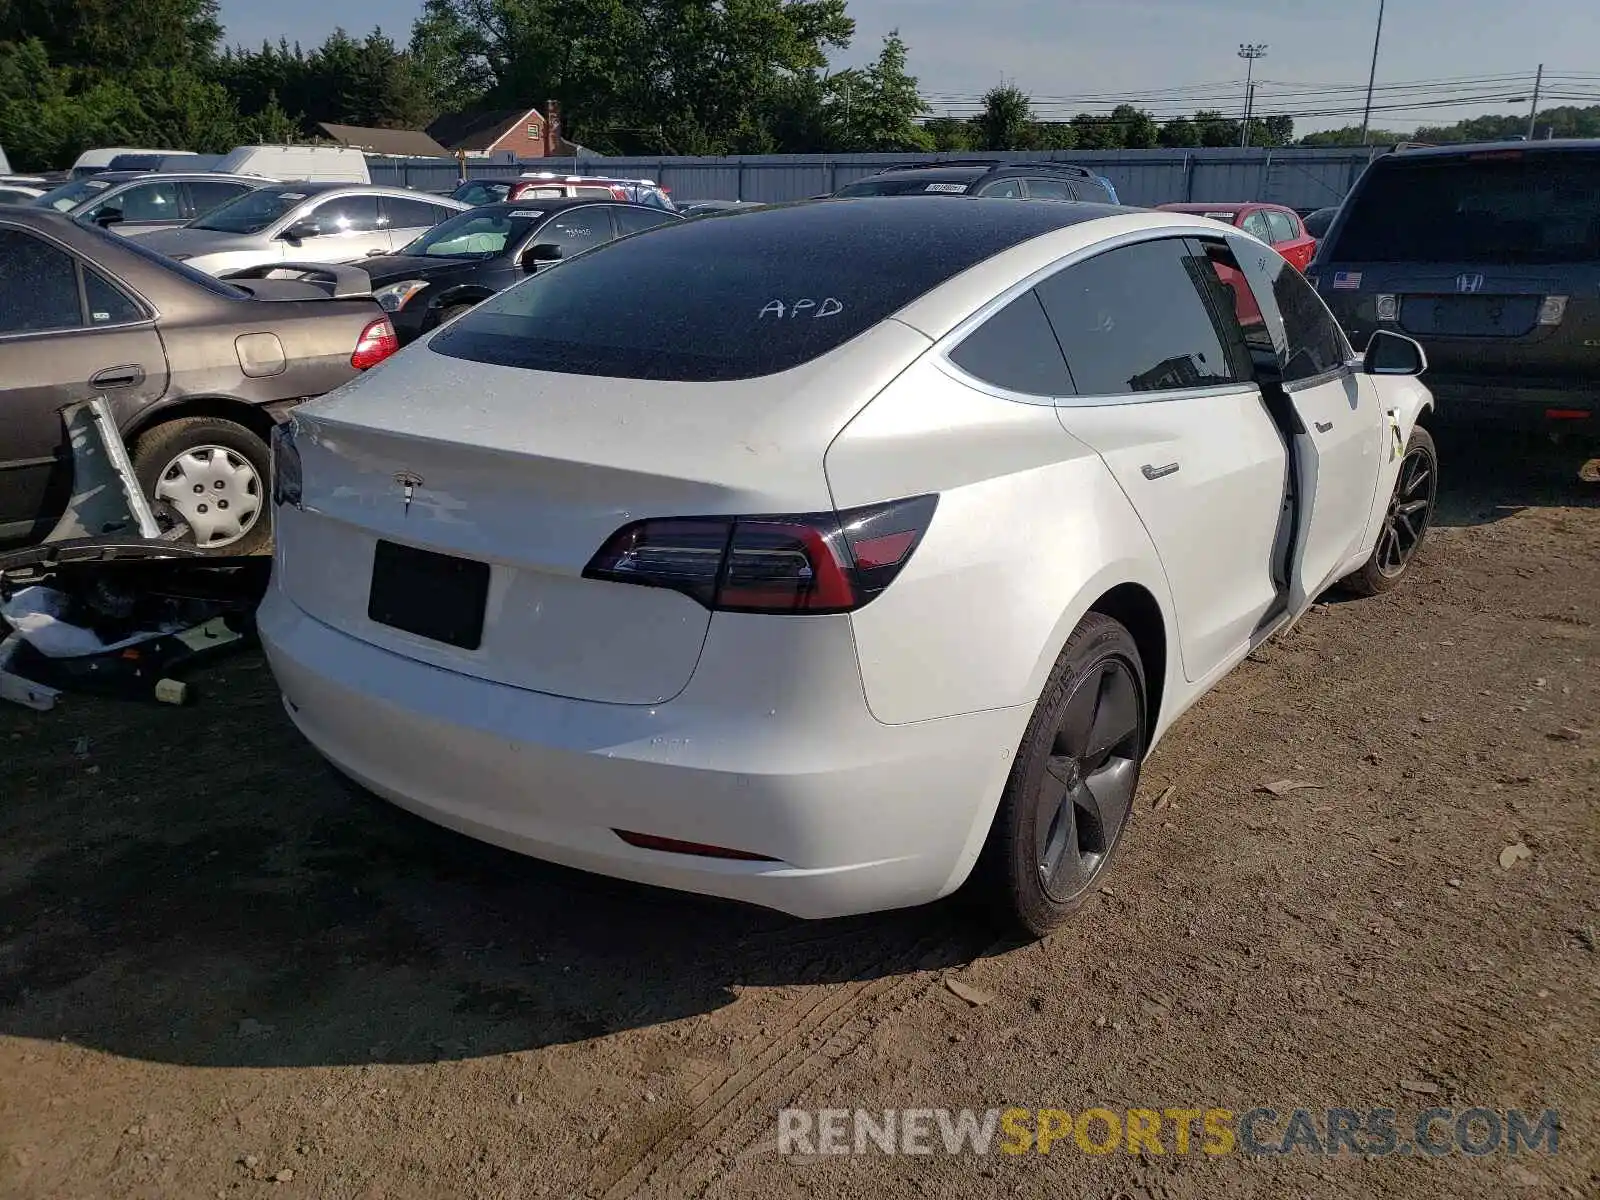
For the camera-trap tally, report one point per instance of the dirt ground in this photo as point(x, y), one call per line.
point(222, 973)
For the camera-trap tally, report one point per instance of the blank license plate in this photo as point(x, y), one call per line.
point(436, 596)
point(1470, 316)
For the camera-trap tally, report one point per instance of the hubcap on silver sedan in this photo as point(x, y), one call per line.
point(217, 491)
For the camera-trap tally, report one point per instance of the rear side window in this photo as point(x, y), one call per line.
point(1010, 189)
point(414, 214)
point(107, 304)
point(772, 289)
point(1283, 229)
point(1134, 319)
point(1050, 189)
point(38, 285)
point(208, 194)
point(1510, 207)
point(146, 202)
point(1016, 351)
point(637, 220)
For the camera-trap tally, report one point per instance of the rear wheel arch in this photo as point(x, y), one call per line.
point(253, 417)
point(1137, 610)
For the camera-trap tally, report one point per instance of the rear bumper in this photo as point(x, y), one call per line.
point(1490, 402)
point(770, 750)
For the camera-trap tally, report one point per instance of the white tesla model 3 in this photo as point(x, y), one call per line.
point(824, 556)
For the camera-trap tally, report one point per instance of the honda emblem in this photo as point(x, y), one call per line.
point(1469, 284)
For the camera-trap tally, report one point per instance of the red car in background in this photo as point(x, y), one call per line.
point(1280, 227)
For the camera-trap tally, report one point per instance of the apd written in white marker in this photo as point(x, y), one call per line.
point(815, 309)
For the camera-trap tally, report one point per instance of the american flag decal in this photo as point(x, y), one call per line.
point(1347, 281)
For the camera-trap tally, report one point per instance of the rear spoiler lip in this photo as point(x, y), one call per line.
point(349, 282)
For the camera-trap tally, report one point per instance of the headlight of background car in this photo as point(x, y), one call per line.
point(393, 297)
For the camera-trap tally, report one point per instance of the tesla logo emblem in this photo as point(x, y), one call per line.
point(1469, 283)
point(410, 483)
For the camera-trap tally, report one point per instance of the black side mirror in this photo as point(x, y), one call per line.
point(107, 217)
point(301, 230)
point(1390, 353)
point(542, 252)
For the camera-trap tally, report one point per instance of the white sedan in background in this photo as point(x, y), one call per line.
point(303, 222)
point(826, 555)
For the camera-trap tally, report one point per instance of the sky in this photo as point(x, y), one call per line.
point(1172, 55)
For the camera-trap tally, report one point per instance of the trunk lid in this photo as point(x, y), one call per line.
point(530, 472)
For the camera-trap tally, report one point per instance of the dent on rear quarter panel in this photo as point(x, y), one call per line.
point(1030, 530)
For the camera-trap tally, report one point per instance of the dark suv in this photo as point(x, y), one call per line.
point(986, 177)
point(1489, 255)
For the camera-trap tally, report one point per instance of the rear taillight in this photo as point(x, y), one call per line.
point(378, 341)
point(816, 563)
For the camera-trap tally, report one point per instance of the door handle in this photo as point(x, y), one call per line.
point(117, 377)
point(1153, 473)
point(1324, 426)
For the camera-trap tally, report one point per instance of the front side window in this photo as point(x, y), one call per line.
point(1256, 225)
point(146, 202)
point(1016, 351)
point(38, 285)
point(1135, 319)
point(577, 231)
point(346, 214)
point(252, 212)
point(1304, 338)
point(1005, 189)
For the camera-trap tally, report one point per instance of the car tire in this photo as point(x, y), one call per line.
point(446, 315)
point(1406, 522)
point(1070, 794)
point(229, 465)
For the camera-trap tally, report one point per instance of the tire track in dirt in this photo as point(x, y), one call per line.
point(813, 1033)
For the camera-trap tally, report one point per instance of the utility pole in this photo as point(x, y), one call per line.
point(1538, 86)
point(1249, 52)
point(1372, 79)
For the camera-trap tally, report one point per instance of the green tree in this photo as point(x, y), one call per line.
point(1135, 129)
point(1052, 135)
point(1006, 122)
point(1216, 129)
point(882, 105)
point(1096, 132)
point(1179, 132)
point(115, 35)
point(951, 133)
point(1350, 135)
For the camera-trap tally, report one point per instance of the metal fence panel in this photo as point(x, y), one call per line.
point(1300, 178)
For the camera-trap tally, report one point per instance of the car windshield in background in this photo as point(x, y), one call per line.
point(746, 295)
point(475, 234)
point(1503, 207)
point(72, 195)
point(913, 186)
point(251, 212)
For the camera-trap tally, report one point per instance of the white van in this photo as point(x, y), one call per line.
point(92, 162)
point(314, 164)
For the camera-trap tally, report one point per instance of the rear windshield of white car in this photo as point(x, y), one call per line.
point(1510, 207)
point(745, 295)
